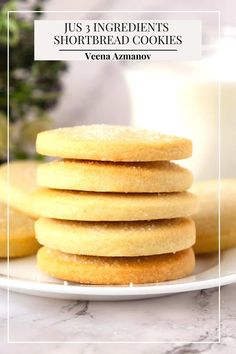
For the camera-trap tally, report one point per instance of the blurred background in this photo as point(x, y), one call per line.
point(179, 98)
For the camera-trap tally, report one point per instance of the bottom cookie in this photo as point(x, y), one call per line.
point(22, 241)
point(116, 270)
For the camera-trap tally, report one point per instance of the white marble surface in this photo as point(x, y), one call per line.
point(183, 317)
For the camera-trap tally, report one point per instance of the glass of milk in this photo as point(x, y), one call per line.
point(196, 100)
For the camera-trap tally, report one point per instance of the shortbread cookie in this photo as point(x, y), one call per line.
point(207, 218)
point(112, 143)
point(116, 239)
point(113, 270)
point(133, 177)
point(89, 206)
point(22, 241)
point(22, 182)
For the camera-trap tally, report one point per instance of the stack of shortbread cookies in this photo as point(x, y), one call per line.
point(114, 209)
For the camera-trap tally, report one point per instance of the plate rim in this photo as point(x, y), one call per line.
point(98, 290)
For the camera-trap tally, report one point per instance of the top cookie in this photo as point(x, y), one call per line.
point(112, 143)
point(22, 182)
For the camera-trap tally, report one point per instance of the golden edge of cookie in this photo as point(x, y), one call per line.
point(209, 243)
point(91, 206)
point(116, 271)
point(206, 219)
point(116, 239)
point(18, 198)
point(19, 247)
point(146, 177)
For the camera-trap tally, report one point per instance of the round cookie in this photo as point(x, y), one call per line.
point(133, 177)
point(112, 143)
point(22, 182)
point(206, 219)
point(22, 241)
point(89, 206)
point(113, 270)
point(116, 239)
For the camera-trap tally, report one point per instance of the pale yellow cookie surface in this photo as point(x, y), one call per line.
point(112, 143)
point(22, 241)
point(207, 217)
point(89, 206)
point(94, 176)
point(113, 270)
point(22, 182)
point(117, 239)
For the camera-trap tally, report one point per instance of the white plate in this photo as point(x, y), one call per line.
point(26, 278)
